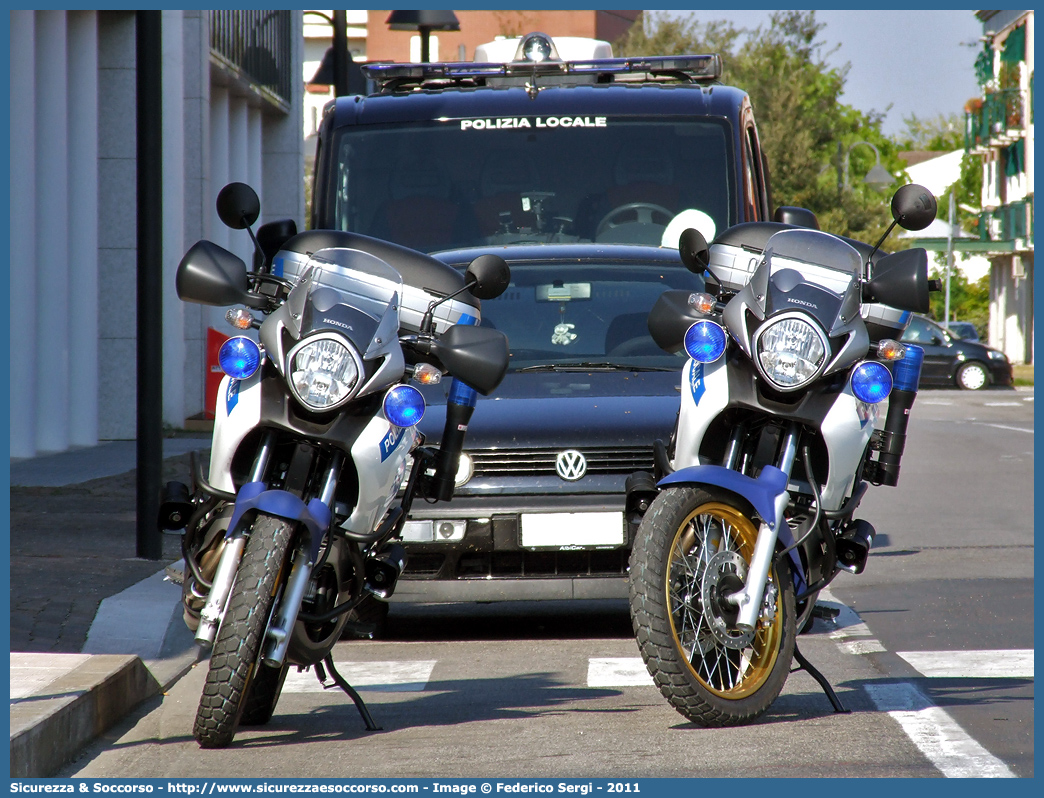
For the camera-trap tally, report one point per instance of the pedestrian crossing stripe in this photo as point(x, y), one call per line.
point(384, 677)
point(617, 672)
point(1002, 664)
point(413, 676)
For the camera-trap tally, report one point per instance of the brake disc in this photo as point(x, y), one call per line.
point(725, 574)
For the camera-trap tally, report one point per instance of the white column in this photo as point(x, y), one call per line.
point(83, 227)
point(253, 149)
point(239, 171)
point(219, 177)
point(22, 240)
point(173, 216)
point(52, 233)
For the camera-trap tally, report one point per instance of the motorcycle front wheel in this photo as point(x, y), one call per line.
point(692, 549)
point(234, 661)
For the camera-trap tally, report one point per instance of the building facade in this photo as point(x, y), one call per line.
point(479, 27)
point(232, 109)
point(999, 129)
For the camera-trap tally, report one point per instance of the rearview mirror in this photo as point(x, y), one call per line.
point(694, 250)
point(238, 206)
point(490, 275)
point(914, 207)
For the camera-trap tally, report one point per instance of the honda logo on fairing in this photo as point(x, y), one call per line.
point(338, 323)
point(802, 302)
point(571, 465)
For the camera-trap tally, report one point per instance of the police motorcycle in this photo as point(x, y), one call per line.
point(298, 522)
point(790, 363)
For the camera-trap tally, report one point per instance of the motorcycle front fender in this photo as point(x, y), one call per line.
point(315, 516)
point(760, 492)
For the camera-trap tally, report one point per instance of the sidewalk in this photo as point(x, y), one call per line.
point(94, 629)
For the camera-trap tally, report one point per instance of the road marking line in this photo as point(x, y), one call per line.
point(384, 677)
point(617, 672)
point(936, 734)
point(1001, 664)
point(935, 402)
point(865, 646)
point(1002, 404)
point(1004, 426)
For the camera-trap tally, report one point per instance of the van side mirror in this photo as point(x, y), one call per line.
point(799, 217)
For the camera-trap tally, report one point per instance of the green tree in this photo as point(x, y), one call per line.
point(941, 134)
point(801, 121)
point(968, 301)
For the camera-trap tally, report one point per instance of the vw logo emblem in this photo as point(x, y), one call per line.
point(570, 465)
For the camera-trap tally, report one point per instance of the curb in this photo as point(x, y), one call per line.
point(47, 730)
point(50, 727)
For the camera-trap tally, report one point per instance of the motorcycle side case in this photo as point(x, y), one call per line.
point(733, 265)
point(884, 321)
point(425, 279)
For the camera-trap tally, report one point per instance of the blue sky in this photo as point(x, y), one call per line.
point(916, 61)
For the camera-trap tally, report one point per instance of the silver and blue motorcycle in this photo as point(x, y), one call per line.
point(793, 357)
point(316, 457)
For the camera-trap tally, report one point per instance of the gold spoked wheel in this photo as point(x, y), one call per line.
point(691, 552)
point(708, 559)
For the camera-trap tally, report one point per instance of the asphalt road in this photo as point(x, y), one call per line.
point(557, 689)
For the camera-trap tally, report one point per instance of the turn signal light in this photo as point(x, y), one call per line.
point(891, 350)
point(427, 374)
point(240, 318)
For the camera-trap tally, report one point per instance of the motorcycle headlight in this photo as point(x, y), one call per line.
point(324, 371)
point(790, 352)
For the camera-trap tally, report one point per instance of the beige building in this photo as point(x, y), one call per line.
point(999, 129)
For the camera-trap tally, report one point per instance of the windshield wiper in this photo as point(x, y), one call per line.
point(592, 365)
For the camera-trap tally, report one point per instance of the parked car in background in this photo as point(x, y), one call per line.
point(550, 487)
point(964, 330)
point(951, 361)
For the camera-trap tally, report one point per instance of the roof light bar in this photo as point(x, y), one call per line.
point(695, 67)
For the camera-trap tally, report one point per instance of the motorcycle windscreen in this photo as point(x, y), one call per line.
point(812, 272)
point(347, 291)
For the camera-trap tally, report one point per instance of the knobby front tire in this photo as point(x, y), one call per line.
point(236, 652)
point(693, 547)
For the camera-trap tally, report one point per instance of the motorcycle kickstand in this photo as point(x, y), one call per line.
point(340, 682)
point(805, 665)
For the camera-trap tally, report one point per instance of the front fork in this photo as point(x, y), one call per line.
point(748, 600)
point(300, 573)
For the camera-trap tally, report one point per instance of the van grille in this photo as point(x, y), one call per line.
point(541, 462)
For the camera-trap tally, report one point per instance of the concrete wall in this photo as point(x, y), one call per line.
point(73, 243)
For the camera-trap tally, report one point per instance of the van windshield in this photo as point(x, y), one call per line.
point(457, 183)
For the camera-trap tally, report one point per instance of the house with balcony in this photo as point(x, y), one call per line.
point(999, 129)
point(231, 89)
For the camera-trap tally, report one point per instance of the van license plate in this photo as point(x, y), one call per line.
point(555, 530)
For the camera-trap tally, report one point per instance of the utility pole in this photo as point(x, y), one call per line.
point(340, 53)
point(149, 89)
point(949, 262)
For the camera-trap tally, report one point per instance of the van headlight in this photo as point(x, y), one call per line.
point(323, 371)
point(790, 352)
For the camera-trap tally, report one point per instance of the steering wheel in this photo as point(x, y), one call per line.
point(642, 213)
